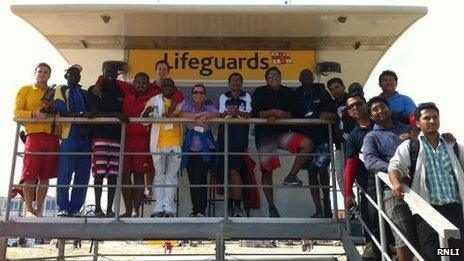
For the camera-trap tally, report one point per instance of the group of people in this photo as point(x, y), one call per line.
point(371, 133)
point(396, 137)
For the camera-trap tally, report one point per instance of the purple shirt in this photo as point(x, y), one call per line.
point(196, 142)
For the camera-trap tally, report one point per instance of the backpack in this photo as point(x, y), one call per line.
point(414, 145)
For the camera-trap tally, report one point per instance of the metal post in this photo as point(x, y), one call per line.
point(95, 250)
point(3, 247)
point(383, 236)
point(12, 172)
point(220, 248)
point(347, 213)
point(61, 244)
point(117, 194)
point(444, 244)
point(226, 171)
point(332, 172)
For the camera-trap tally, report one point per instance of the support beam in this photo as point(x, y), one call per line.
point(61, 245)
point(3, 247)
point(95, 250)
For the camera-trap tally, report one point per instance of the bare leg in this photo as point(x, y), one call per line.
point(305, 146)
point(235, 179)
point(112, 180)
point(324, 178)
point(127, 194)
point(266, 179)
point(29, 193)
point(149, 177)
point(41, 193)
point(98, 180)
point(315, 193)
point(137, 194)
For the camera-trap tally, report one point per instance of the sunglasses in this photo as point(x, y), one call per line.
point(355, 105)
point(198, 93)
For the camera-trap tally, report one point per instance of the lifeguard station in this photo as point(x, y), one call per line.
point(205, 43)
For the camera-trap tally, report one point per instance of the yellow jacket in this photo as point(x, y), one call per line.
point(27, 100)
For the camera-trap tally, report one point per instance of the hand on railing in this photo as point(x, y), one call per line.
point(37, 113)
point(123, 118)
point(90, 114)
point(397, 190)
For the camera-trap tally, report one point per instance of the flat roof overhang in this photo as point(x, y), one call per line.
point(312, 27)
point(355, 36)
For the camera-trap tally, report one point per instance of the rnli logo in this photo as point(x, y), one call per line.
point(281, 58)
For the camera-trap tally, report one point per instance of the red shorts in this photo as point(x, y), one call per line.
point(40, 167)
point(138, 163)
point(104, 163)
point(288, 141)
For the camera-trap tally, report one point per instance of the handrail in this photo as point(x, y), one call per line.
point(98, 120)
point(437, 221)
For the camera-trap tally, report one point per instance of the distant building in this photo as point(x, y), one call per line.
point(17, 207)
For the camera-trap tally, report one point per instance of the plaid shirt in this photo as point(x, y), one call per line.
point(440, 180)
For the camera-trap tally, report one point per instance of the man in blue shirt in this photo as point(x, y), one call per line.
point(402, 106)
point(379, 146)
point(69, 100)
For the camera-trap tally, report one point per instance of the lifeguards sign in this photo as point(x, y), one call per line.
point(218, 64)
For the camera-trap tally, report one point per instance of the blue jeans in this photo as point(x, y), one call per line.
point(69, 164)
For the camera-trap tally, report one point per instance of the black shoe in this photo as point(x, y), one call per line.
point(170, 214)
point(99, 214)
point(110, 214)
point(237, 212)
point(273, 212)
point(292, 180)
point(157, 214)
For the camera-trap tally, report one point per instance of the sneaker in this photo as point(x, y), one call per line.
point(292, 180)
point(193, 214)
point(200, 215)
point(110, 214)
point(169, 214)
point(157, 214)
point(237, 212)
point(273, 212)
point(63, 213)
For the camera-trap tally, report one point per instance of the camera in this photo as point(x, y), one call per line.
point(49, 110)
point(47, 101)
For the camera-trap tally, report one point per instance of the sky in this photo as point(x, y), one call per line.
point(427, 59)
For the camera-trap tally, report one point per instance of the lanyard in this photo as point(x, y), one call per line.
point(309, 103)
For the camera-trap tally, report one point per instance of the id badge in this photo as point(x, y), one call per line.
point(168, 126)
point(199, 129)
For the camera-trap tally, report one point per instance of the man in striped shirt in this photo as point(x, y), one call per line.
point(438, 177)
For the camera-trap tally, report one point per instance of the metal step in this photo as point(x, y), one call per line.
point(175, 228)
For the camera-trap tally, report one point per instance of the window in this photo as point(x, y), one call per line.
point(50, 205)
point(14, 205)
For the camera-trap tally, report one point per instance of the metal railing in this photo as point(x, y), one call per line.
point(225, 154)
point(438, 222)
